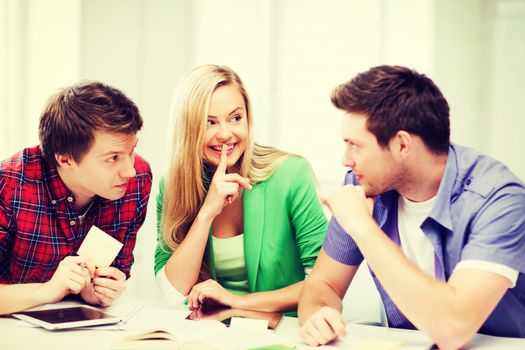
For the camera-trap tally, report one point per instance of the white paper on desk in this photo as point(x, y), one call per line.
point(100, 247)
point(372, 337)
point(231, 339)
point(249, 323)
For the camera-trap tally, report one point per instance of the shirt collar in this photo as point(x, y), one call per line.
point(441, 211)
point(55, 186)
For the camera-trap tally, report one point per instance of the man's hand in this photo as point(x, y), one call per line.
point(107, 285)
point(350, 206)
point(73, 274)
point(323, 326)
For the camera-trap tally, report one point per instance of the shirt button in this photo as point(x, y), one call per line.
point(70, 199)
point(54, 202)
point(468, 182)
point(72, 223)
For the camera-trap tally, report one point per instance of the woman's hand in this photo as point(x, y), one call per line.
point(211, 290)
point(224, 188)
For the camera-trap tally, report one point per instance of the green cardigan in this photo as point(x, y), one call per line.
point(284, 227)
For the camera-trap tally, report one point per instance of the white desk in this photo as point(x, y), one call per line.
point(15, 334)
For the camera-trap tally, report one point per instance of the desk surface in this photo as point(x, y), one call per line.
point(15, 334)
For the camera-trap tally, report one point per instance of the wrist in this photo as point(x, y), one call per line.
point(240, 301)
point(365, 229)
point(46, 293)
point(204, 216)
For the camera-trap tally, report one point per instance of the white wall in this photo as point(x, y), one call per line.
point(290, 53)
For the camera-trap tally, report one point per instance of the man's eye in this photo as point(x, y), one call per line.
point(112, 159)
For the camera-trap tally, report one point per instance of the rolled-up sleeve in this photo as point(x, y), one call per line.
point(338, 244)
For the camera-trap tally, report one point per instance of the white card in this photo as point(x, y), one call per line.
point(100, 247)
point(249, 323)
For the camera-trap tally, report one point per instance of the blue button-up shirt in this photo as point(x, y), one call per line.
point(479, 215)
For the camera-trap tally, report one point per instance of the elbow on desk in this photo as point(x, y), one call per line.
point(453, 335)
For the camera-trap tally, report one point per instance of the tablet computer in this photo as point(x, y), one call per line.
point(67, 317)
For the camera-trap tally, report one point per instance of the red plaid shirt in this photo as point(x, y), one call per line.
point(39, 226)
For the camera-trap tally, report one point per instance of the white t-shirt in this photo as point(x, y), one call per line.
point(414, 242)
point(418, 249)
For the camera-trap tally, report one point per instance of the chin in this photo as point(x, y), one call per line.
point(113, 195)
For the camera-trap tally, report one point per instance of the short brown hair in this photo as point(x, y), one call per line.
point(396, 98)
point(73, 114)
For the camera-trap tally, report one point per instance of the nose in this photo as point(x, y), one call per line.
point(348, 161)
point(128, 170)
point(224, 133)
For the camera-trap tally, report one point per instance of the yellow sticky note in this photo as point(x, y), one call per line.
point(100, 247)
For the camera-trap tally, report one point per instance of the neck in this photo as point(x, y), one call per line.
point(82, 200)
point(424, 178)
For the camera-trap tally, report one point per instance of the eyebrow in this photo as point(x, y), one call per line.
point(235, 110)
point(351, 141)
point(117, 152)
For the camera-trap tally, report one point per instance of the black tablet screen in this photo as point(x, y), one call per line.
point(72, 314)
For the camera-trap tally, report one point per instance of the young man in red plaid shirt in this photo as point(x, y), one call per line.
point(84, 173)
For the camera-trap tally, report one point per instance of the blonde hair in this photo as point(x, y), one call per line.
point(185, 191)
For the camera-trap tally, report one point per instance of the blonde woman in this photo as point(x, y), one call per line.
point(238, 223)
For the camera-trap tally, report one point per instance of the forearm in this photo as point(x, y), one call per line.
point(184, 265)
point(283, 299)
point(18, 297)
point(315, 295)
point(433, 306)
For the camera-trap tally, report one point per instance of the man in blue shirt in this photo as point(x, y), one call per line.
point(441, 226)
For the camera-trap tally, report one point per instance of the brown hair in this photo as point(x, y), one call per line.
point(396, 98)
point(73, 114)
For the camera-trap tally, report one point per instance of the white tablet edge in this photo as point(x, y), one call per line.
point(55, 326)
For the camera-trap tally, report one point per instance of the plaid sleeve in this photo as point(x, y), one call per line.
point(5, 218)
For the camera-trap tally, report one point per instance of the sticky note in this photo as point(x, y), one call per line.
point(249, 323)
point(100, 247)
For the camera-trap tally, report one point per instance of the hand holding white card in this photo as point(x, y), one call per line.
point(100, 247)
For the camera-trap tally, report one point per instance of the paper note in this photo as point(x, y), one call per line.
point(249, 323)
point(100, 247)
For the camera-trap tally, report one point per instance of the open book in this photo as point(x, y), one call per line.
point(159, 339)
point(203, 334)
point(177, 334)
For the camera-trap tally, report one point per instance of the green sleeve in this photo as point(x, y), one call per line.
point(162, 251)
point(307, 214)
